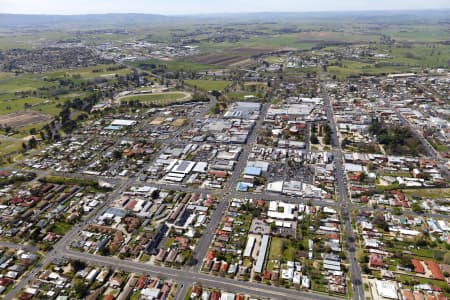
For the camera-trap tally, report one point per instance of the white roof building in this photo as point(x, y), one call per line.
point(386, 289)
point(281, 210)
point(120, 122)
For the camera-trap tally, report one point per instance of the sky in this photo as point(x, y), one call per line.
point(177, 7)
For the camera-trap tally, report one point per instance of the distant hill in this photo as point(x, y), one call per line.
point(13, 20)
point(49, 21)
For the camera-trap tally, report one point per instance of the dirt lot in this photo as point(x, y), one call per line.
point(24, 118)
point(217, 59)
point(233, 56)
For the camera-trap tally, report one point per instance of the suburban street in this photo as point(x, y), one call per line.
point(188, 277)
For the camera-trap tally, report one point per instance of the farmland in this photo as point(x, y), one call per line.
point(400, 59)
point(21, 119)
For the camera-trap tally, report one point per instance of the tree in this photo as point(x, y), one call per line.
point(42, 134)
point(360, 255)
point(155, 194)
point(362, 177)
point(396, 211)
point(416, 208)
point(381, 222)
point(447, 258)
point(117, 154)
point(327, 134)
point(420, 240)
point(77, 265)
point(32, 143)
point(405, 262)
point(80, 288)
point(314, 139)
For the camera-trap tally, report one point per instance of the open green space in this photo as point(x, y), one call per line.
point(208, 85)
point(432, 55)
point(14, 105)
point(109, 70)
point(402, 58)
point(60, 228)
point(274, 59)
point(9, 145)
point(276, 249)
point(419, 33)
point(43, 92)
point(349, 68)
point(174, 66)
point(410, 280)
point(259, 44)
point(428, 193)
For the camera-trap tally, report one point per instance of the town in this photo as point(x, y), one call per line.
point(149, 169)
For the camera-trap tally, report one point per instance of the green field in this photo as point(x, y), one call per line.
point(267, 43)
point(274, 59)
point(276, 249)
point(174, 66)
point(60, 228)
point(208, 85)
point(428, 193)
point(419, 33)
point(405, 58)
point(159, 99)
point(8, 145)
point(40, 89)
point(89, 72)
point(355, 68)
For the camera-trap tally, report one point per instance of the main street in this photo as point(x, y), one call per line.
point(342, 190)
point(230, 192)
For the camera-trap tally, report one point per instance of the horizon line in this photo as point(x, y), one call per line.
point(226, 13)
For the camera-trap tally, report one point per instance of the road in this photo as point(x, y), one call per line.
point(189, 277)
point(229, 193)
point(344, 202)
point(429, 150)
point(60, 247)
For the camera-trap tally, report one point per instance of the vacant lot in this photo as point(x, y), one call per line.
point(428, 193)
point(218, 59)
point(276, 249)
point(21, 119)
